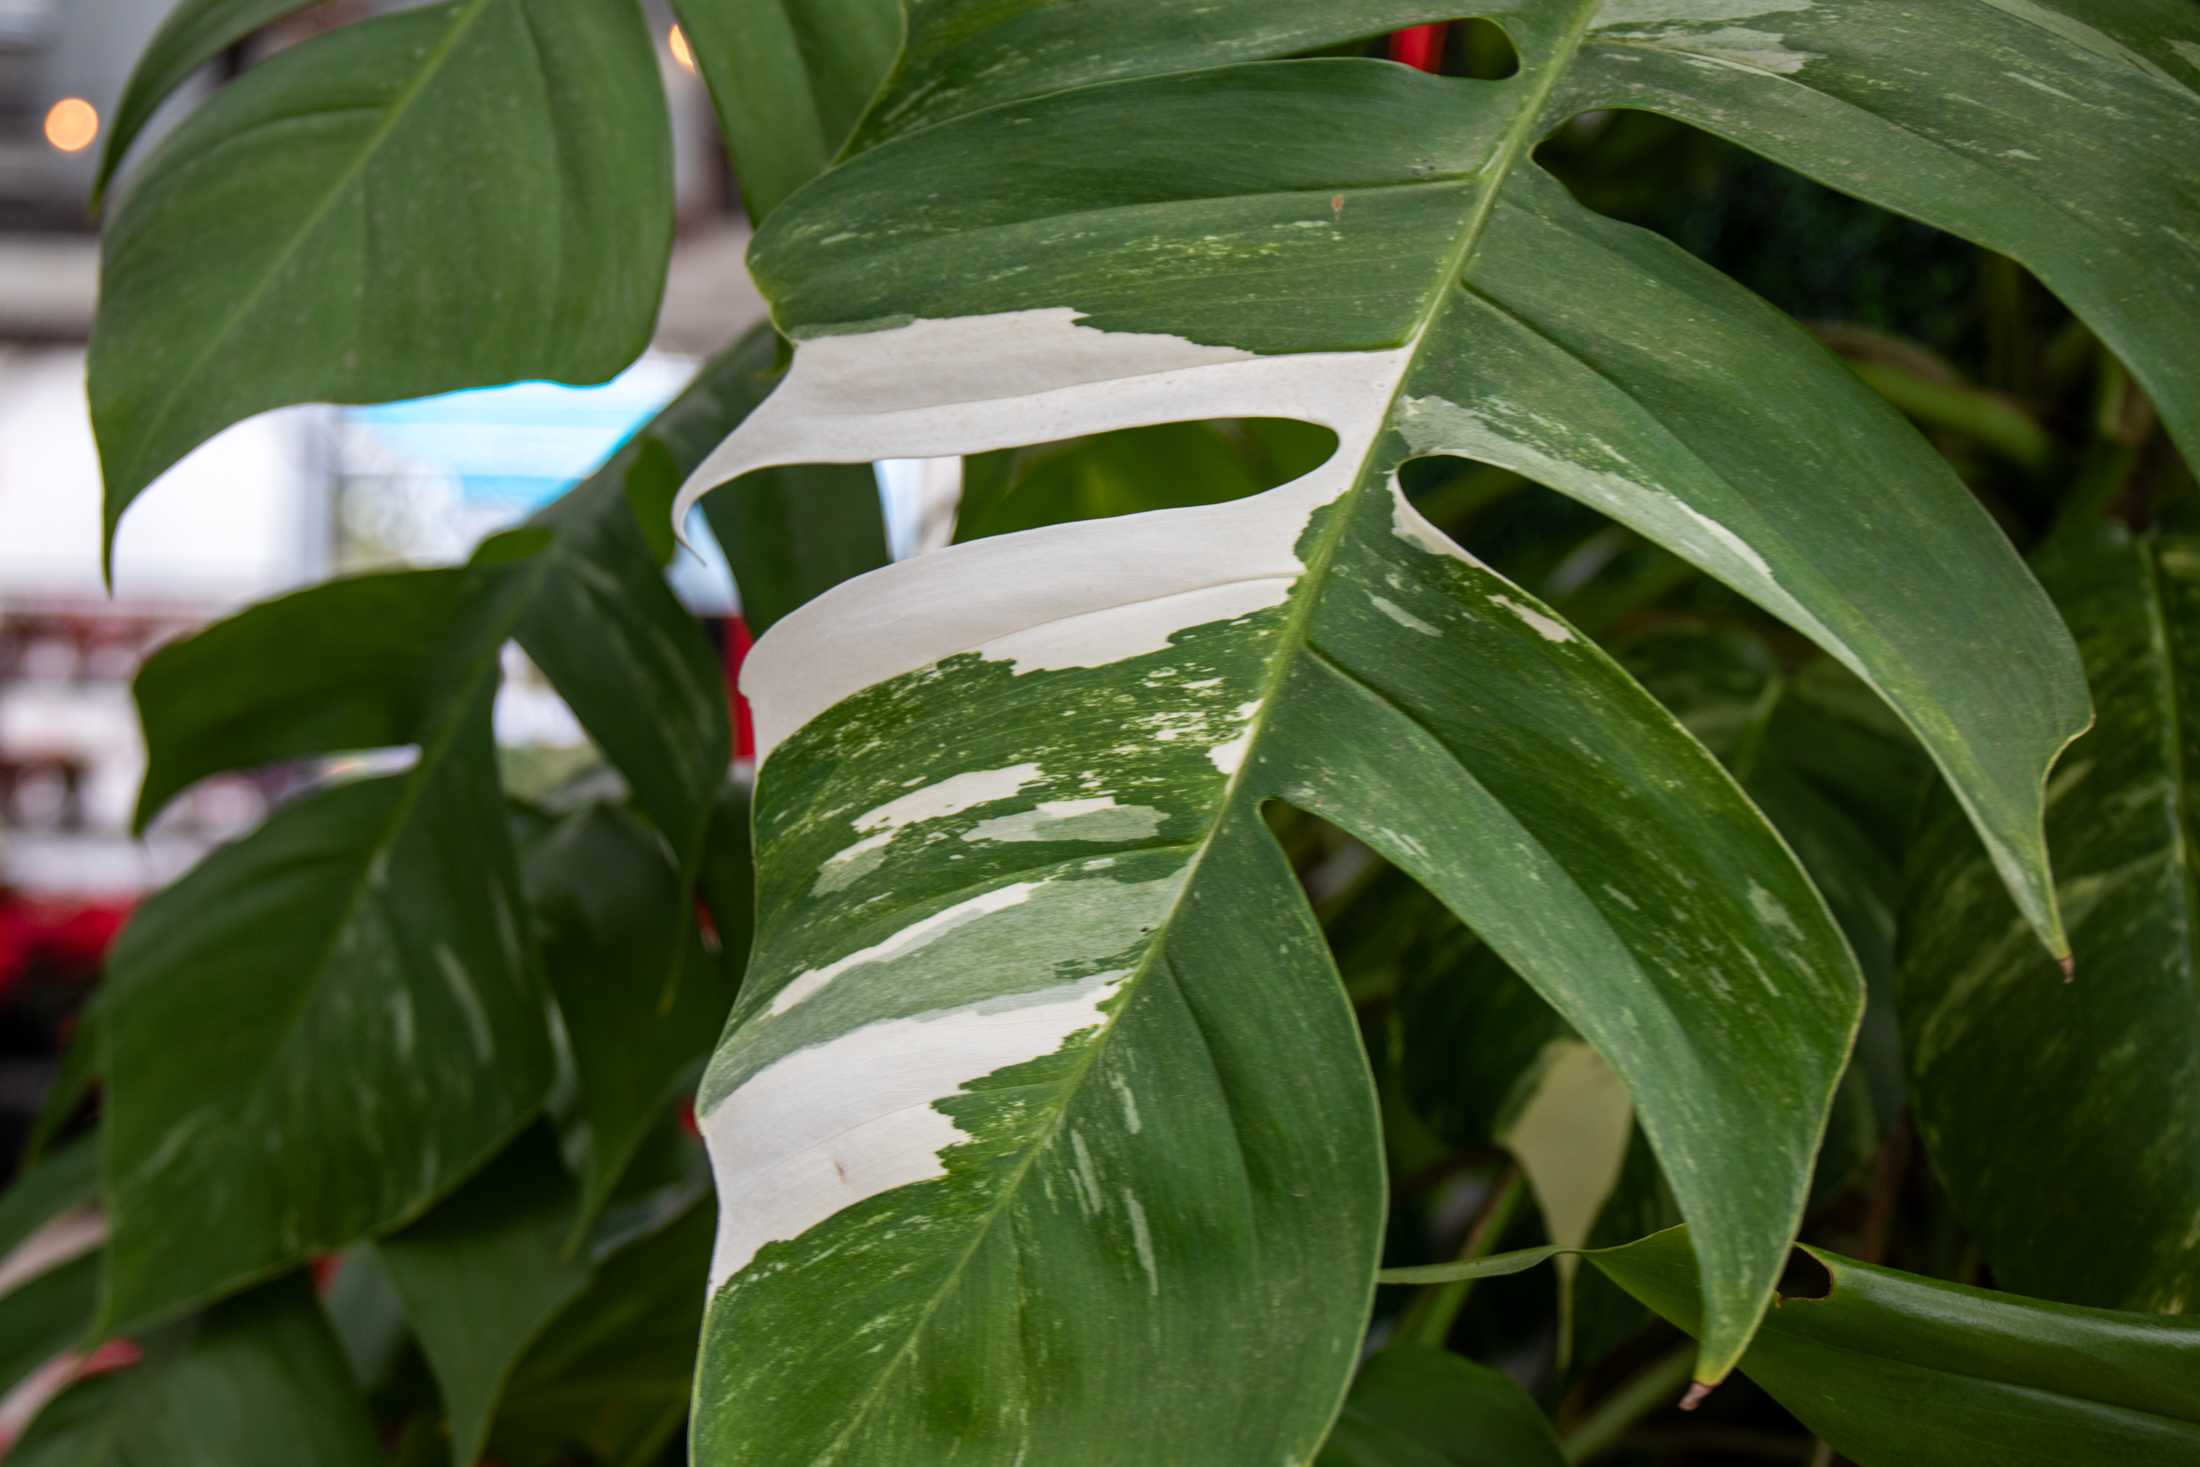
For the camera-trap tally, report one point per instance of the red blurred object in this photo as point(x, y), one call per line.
point(70, 936)
point(737, 650)
point(1420, 47)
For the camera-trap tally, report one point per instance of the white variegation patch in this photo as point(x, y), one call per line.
point(797, 1143)
point(966, 385)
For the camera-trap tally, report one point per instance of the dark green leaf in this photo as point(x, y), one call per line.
point(613, 1372)
point(444, 197)
point(1416, 1407)
point(67, 1179)
point(483, 1274)
point(257, 1382)
point(2064, 1118)
point(320, 1030)
point(1894, 1370)
point(641, 999)
point(45, 1315)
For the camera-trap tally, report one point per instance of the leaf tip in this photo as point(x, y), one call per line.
point(1697, 1392)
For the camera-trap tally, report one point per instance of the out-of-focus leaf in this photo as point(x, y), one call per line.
point(599, 884)
point(329, 1024)
point(195, 32)
point(256, 1382)
point(67, 1179)
point(460, 194)
point(49, 1287)
point(482, 1275)
point(1129, 471)
point(791, 533)
point(2065, 1118)
point(727, 879)
point(789, 78)
point(611, 1375)
point(1416, 1407)
point(75, 1080)
point(45, 1315)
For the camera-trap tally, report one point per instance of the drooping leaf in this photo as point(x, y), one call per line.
point(600, 886)
point(460, 194)
point(792, 533)
point(256, 1382)
point(483, 1274)
point(2038, 1100)
point(1416, 1407)
point(329, 1024)
point(613, 1372)
point(1893, 1370)
point(789, 79)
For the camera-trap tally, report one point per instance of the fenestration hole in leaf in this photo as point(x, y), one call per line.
point(1473, 49)
point(1479, 49)
point(1805, 1280)
point(1132, 470)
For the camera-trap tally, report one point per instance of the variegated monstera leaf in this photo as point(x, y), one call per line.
point(1042, 1130)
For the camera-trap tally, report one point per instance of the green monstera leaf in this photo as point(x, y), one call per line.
point(1038, 1014)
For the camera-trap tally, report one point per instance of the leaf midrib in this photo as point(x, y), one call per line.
point(1291, 641)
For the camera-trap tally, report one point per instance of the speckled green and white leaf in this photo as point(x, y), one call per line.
point(1016, 901)
point(1318, 225)
point(2107, 1100)
point(2046, 129)
point(1037, 1011)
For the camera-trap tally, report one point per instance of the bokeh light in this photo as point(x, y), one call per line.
point(71, 124)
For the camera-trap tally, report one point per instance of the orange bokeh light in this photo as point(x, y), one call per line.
point(71, 124)
point(678, 41)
